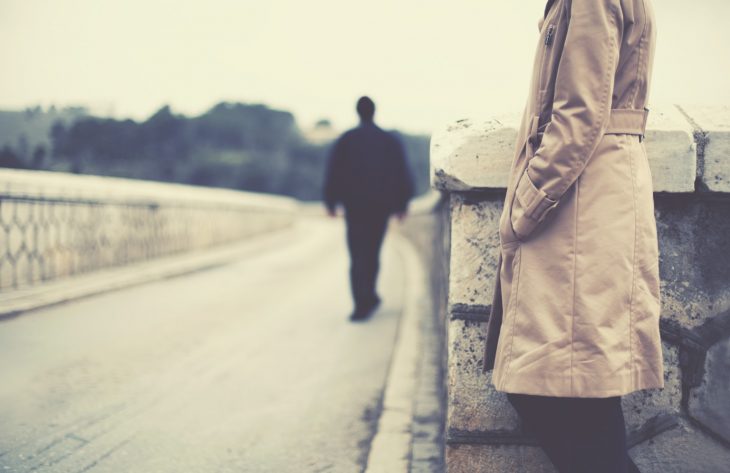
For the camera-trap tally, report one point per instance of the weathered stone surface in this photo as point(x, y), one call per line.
point(694, 258)
point(497, 459)
point(641, 406)
point(683, 449)
point(474, 250)
point(671, 150)
point(710, 402)
point(471, 154)
point(473, 404)
point(714, 121)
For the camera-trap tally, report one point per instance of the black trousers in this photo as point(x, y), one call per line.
point(365, 232)
point(579, 435)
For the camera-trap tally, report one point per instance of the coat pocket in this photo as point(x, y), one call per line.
point(530, 206)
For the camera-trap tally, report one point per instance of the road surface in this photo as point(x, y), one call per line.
point(248, 367)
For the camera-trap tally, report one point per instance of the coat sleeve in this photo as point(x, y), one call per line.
point(333, 179)
point(580, 113)
point(404, 183)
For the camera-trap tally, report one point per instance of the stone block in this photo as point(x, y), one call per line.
point(683, 449)
point(473, 404)
point(474, 250)
point(671, 150)
point(641, 406)
point(694, 258)
point(714, 122)
point(473, 155)
point(497, 459)
point(709, 403)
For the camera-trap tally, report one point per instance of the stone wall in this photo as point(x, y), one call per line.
point(686, 426)
point(54, 225)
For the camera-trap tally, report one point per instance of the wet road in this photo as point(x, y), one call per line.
point(252, 366)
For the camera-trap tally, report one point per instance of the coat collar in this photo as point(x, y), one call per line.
point(542, 19)
point(547, 8)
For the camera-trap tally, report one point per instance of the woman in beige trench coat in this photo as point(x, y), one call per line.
point(576, 304)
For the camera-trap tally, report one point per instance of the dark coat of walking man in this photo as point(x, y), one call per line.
point(368, 174)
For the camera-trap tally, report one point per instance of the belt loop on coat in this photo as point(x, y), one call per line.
point(625, 121)
point(643, 125)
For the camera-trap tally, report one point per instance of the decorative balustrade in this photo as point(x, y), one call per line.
point(54, 225)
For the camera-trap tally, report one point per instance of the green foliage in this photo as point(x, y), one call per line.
point(233, 145)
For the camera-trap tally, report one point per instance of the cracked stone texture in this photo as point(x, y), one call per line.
point(710, 402)
point(715, 122)
point(641, 406)
point(683, 449)
point(473, 404)
point(497, 459)
point(694, 258)
point(474, 250)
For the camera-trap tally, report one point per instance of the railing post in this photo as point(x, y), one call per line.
point(680, 428)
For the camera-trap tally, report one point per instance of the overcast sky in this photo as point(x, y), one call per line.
point(424, 62)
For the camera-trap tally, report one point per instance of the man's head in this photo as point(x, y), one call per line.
point(366, 109)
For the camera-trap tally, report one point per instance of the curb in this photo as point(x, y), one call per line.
point(390, 449)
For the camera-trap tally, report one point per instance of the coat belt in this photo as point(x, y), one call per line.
point(623, 121)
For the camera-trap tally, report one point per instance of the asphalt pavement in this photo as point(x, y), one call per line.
point(252, 366)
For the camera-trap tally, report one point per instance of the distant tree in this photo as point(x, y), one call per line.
point(23, 147)
point(58, 133)
point(33, 112)
point(9, 159)
point(39, 156)
point(75, 111)
point(249, 147)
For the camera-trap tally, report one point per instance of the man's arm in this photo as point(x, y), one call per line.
point(404, 183)
point(581, 110)
point(333, 178)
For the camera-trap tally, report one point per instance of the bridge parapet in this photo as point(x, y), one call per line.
point(54, 225)
point(685, 426)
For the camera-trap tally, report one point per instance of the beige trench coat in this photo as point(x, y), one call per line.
point(576, 303)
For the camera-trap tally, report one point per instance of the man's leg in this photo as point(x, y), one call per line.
point(376, 231)
point(357, 245)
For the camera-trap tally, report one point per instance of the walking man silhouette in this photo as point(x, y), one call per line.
point(367, 173)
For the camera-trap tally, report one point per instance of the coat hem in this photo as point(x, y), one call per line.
point(561, 385)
